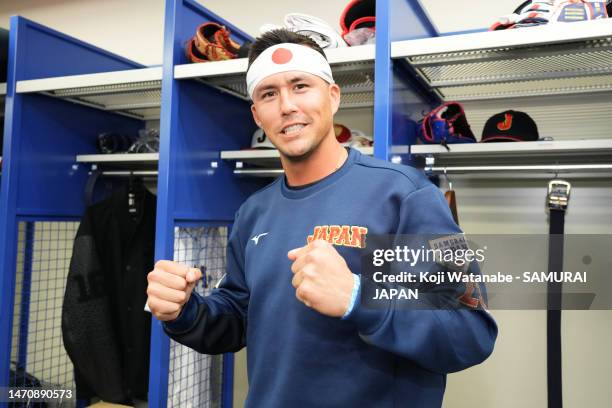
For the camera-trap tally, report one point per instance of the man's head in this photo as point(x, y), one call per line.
point(293, 92)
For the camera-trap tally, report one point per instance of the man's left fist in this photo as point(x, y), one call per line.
point(321, 278)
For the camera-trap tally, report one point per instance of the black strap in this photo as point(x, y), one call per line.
point(90, 186)
point(553, 318)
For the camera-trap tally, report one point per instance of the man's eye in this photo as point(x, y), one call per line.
point(267, 95)
point(301, 86)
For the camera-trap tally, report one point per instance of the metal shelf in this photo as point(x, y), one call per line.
point(131, 161)
point(554, 59)
point(118, 158)
point(562, 155)
point(353, 69)
point(269, 158)
point(134, 93)
point(2, 89)
point(264, 173)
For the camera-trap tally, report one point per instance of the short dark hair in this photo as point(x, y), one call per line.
point(279, 36)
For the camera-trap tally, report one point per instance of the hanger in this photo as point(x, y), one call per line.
point(451, 198)
point(135, 194)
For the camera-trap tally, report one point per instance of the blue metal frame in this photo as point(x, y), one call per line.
point(227, 384)
point(382, 82)
point(164, 236)
point(50, 218)
point(8, 198)
point(26, 286)
point(395, 20)
point(227, 390)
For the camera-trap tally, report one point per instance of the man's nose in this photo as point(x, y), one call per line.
point(287, 104)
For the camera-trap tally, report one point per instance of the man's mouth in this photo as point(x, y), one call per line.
point(293, 129)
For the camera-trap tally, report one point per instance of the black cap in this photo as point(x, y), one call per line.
point(510, 126)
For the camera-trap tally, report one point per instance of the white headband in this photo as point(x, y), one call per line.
point(287, 57)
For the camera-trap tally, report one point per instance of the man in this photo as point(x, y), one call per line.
point(292, 288)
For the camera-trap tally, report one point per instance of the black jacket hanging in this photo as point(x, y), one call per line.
point(105, 328)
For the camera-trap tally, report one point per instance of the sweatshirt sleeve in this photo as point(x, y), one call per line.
point(216, 323)
point(442, 340)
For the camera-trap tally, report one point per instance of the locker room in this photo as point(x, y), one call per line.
point(130, 136)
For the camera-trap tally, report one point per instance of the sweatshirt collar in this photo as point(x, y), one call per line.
point(321, 184)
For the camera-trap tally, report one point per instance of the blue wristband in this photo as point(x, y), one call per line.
point(354, 293)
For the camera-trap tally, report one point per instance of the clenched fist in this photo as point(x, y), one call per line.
point(170, 286)
point(321, 278)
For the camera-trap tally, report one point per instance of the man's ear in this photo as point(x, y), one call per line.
point(255, 116)
point(334, 96)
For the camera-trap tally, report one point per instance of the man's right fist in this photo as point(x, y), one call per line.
point(170, 286)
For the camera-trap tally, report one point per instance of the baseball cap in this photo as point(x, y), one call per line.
point(352, 138)
point(358, 14)
point(510, 126)
point(261, 141)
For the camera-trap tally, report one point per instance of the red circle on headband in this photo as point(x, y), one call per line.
point(281, 56)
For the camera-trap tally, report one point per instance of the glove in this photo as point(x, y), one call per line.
point(212, 42)
point(446, 124)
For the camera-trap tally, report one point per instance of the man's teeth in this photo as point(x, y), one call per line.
point(292, 129)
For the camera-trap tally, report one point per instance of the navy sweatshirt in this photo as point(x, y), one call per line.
point(298, 357)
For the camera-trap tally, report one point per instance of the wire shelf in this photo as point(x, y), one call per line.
point(133, 93)
point(129, 161)
point(140, 100)
point(555, 59)
point(593, 155)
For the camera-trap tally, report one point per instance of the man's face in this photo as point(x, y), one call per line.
point(295, 109)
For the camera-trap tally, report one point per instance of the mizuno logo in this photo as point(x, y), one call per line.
point(255, 239)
